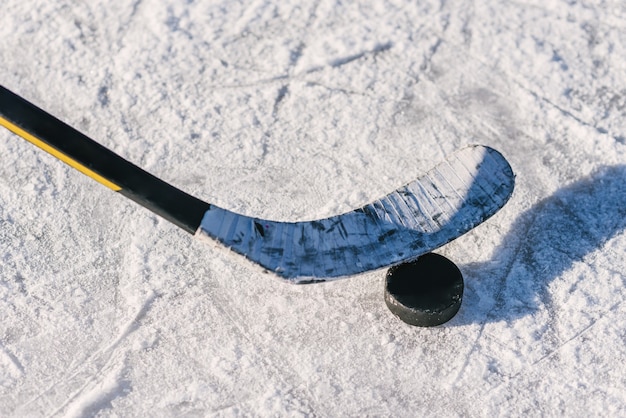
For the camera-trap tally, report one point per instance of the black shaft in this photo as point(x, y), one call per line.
point(160, 197)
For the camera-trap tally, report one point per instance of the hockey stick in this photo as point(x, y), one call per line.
point(449, 200)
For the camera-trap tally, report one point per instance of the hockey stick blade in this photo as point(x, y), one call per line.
point(449, 200)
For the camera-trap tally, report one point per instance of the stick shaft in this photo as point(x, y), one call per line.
point(103, 165)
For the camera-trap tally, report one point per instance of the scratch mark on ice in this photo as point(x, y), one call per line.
point(102, 373)
point(10, 361)
point(498, 299)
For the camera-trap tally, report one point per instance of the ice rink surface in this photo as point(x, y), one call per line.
point(299, 110)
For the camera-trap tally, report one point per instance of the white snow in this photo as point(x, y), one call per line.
point(298, 110)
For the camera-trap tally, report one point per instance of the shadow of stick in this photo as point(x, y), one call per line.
point(543, 243)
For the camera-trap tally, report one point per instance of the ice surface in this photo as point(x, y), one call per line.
point(302, 110)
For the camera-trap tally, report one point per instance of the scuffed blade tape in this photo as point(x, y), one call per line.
point(446, 202)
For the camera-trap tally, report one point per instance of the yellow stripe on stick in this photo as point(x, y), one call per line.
point(56, 153)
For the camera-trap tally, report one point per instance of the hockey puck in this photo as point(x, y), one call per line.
point(425, 292)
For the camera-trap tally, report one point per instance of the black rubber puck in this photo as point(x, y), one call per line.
point(425, 292)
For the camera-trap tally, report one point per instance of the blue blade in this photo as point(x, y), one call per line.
point(443, 204)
